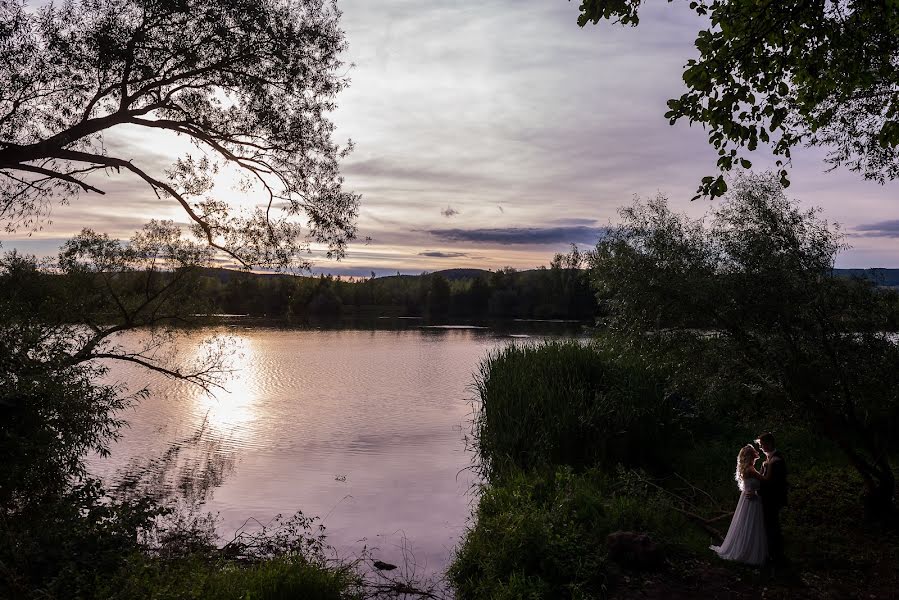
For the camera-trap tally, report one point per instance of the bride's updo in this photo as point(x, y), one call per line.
point(745, 459)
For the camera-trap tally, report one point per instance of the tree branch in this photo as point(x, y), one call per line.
point(57, 175)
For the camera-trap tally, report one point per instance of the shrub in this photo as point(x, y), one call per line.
point(543, 535)
point(61, 548)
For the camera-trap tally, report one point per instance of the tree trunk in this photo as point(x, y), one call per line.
point(879, 490)
point(879, 494)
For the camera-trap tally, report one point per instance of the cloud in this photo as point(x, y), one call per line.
point(880, 229)
point(449, 211)
point(576, 234)
point(438, 254)
point(410, 170)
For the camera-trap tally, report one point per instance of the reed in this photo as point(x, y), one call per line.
point(569, 403)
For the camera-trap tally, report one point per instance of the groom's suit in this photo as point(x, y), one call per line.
point(774, 497)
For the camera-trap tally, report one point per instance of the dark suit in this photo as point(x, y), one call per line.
point(774, 497)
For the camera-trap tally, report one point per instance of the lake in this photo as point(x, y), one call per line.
point(363, 428)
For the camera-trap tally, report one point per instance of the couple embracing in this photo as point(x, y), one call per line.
point(754, 536)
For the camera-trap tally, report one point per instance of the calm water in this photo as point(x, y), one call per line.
point(364, 429)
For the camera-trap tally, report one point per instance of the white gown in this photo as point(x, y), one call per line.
point(746, 540)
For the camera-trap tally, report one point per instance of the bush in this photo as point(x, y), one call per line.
point(565, 403)
point(62, 548)
point(543, 535)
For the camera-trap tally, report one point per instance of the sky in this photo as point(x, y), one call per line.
point(492, 134)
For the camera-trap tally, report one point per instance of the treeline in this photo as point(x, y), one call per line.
point(557, 292)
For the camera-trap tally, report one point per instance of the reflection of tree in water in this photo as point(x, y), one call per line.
point(183, 477)
point(189, 469)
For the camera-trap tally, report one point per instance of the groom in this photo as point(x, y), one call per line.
point(774, 495)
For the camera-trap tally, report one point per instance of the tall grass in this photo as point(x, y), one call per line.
point(566, 403)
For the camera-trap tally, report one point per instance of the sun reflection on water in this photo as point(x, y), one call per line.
point(233, 408)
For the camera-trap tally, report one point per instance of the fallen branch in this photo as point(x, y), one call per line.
point(704, 523)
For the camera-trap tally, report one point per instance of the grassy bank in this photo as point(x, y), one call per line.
point(576, 442)
point(198, 578)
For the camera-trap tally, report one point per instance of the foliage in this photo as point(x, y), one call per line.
point(65, 546)
point(564, 403)
point(787, 73)
point(52, 411)
point(751, 300)
point(59, 323)
point(60, 533)
point(553, 293)
point(249, 83)
point(542, 534)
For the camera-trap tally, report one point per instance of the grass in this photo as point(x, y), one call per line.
point(543, 535)
point(280, 578)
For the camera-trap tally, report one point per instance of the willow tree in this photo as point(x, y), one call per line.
point(787, 73)
point(746, 303)
point(249, 83)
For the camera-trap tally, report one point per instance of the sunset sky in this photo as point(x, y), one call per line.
point(494, 134)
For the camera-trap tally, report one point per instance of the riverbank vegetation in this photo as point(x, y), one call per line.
point(713, 332)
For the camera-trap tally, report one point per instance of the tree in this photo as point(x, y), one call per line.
point(61, 325)
point(437, 296)
point(248, 83)
point(788, 73)
point(750, 302)
point(571, 281)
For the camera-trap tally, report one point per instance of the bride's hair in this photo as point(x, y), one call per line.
point(745, 459)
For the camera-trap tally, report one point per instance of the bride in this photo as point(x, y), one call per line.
point(746, 540)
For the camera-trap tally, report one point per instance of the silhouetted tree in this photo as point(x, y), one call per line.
point(479, 296)
point(249, 83)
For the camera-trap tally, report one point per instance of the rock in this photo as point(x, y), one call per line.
point(383, 566)
point(634, 550)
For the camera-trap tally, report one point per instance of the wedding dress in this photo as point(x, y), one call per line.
point(746, 540)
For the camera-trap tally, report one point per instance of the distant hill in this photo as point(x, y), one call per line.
point(224, 275)
point(453, 274)
point(885, 277)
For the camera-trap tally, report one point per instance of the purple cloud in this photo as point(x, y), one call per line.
point(438, 254)
point(576, 234)
point(880, 228)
